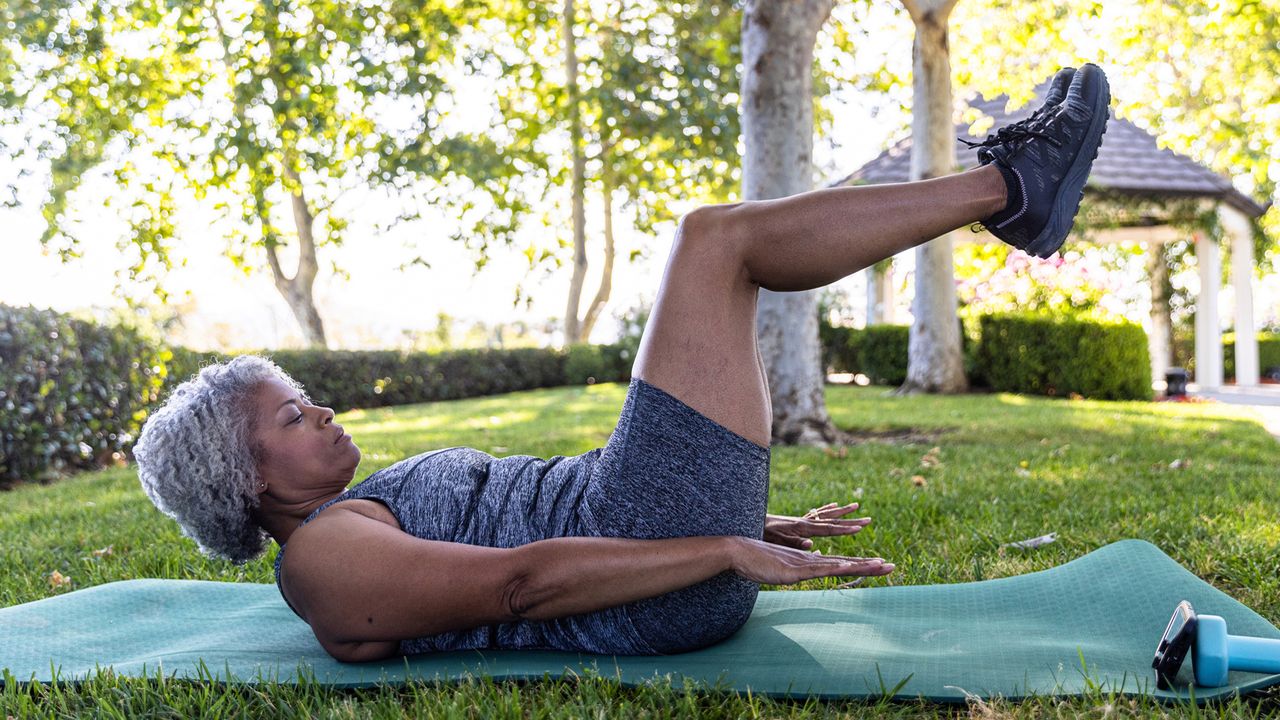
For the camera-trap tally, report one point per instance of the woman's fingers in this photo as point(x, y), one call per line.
point(827, 528)
point(797, 533)
point(818, 511)
point(799, 542)
point(775, 564)
point(857, 567)
point(835, 511)
point(880, 567)
point(830, 511)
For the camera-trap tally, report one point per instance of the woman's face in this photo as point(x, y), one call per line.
point(306, 454)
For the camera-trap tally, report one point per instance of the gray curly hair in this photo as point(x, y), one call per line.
point(198, 462)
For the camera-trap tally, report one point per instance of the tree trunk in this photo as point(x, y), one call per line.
point(935, 363)
point(572, 328)
point(606, 275)
point(297, 291)
point(1160, 341)
point(880, 293)
point(777, 129)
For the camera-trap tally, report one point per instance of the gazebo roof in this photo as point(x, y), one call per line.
point(1129, 161)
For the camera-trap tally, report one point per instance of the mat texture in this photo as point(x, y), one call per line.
point(1094, 620)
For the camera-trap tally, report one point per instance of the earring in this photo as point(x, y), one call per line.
point(262, 486)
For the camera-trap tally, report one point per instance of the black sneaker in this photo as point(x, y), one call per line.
point(1046, 163)
point(1057, 91)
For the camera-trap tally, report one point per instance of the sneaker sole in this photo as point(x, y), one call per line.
point(1067, 202)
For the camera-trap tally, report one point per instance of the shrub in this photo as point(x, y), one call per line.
point(839, 347)
point(882, 353)
point(346, 379)
point(879, 351)
point(582, 363)
point(1268, 353)
point(1060, 356)
point(72, 394)
point(617, 359)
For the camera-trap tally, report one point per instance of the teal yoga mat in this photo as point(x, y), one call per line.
point(1093, 620)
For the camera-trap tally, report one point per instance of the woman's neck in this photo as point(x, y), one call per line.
point(281, 518)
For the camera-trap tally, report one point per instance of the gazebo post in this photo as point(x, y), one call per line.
point(1208, 328)
point(1160, 336)
point(879, 295)
point(1246, 347)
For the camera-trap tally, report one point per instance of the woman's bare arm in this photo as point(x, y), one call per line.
point(364, 585)
point(568, 576)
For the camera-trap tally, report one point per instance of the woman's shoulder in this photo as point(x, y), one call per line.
point(443, 455)
point(371, 509)
point(414, 464)
point(365, 498)
point(362, 498)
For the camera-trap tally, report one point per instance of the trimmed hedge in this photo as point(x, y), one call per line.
point(1268, 353)
point(347, 379)
point(1061, 356)
point(839, 347)
point(74, 395)
point(877, 351)
point(882, 353)
point(1017, 353)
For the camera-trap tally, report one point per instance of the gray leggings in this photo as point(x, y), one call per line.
point(670, 471)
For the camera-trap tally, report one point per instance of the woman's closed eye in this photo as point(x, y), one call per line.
point(296, 420)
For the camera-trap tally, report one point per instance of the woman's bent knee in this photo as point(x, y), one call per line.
point(710, 229)
point(712, 240)
point(696, 617)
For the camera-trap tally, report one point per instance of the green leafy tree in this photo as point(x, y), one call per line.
point(629, 101)
point(270, 110)
point(1211, 93)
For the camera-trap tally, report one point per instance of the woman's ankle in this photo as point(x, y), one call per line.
point(997, 190)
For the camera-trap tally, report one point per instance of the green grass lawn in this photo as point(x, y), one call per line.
point(1198, 480)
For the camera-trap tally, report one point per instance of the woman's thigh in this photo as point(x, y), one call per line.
point(700, 343)
point(669, 471)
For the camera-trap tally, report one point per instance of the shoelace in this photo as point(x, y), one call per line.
point(1013, 133)
point(1022, 130)
point(1007, 132)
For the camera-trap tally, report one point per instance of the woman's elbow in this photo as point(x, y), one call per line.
point(516, 599)
point(526, 598)
point(359, 651)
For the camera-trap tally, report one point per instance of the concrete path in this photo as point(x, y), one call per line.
point(1263, 400)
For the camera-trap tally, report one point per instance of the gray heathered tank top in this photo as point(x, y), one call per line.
point(468, 496)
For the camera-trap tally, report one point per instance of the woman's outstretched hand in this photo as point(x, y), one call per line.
point(771, 564)
point(819, 522)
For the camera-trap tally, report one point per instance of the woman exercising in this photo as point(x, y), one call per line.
point(655, 543)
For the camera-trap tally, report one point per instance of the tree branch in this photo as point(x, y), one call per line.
point(913, 9)
point(304, 221)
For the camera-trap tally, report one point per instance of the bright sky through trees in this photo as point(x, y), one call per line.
point(377, 303)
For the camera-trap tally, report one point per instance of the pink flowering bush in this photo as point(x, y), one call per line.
point(1000, 279)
